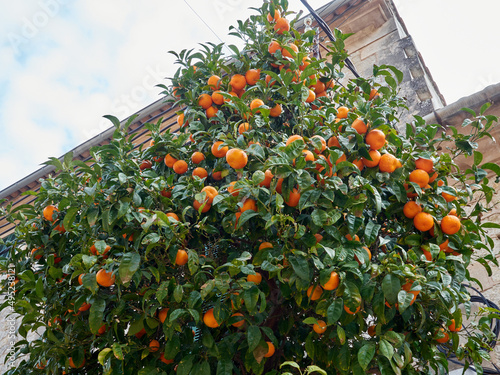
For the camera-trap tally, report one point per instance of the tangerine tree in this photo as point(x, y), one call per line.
point(288, 221)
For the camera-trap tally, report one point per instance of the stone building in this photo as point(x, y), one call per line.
point(380, 37)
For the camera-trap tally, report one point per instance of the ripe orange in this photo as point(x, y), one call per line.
point(48, 212)
point(217, 98)
point(173, 215)
point(249, 204)
point(238, 82)
point(448, 197)
point(423, 221)
point(256, 279)
point(200, 172)
point(197, 157)
point(411, 209)
point(180, 167)
point(244, 127)
point(252, 76)
point(293, 198)
point(270, 350)
point(425, 164)
point(105, 278)
point(72, 364)
point(231, 190)
point(314, 294)
point(420, 177)
point(333, 142)
point(237, 158)
point(350, 312)
point(359, 126)
point(154, 346)
point(162, 314)
point(318, 237)
point(256, 103)
point(217, 151)
point(319, 87)
point(275, 111)
point(211, 112)
point(268, 177)
point(342, 112)
point(367, 251)
point(265, 245)
point(278, 185)
point(80, 279)
point(180, 121)
point(373, 94)
point(217, 176)
point(205, 101)
point(197, 205)
point(333, 282)
point(238, 323)
point(375, 139)
point(375, 155)
point(38, 256)
point(209, 319)
point(94, 251)
point(445, 338)
point(450, 224)
point(281, 26)
point(287, 53)
point(181, 258)
point(311, 97)
point(293, 138)
point(323, 144)
point(277, 15)
point(319, 327)
point(170, 161)
point(453, 328)
point(164, 360)
point(273, 47)
point(388, 163)
point(214, 82)
point(84, 307)
point(211, 193)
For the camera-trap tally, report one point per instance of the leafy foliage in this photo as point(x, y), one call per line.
point(130, 214)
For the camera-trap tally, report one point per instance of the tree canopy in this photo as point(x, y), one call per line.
point(291, 220)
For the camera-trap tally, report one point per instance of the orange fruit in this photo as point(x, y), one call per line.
point(425, 164)
point(333, 142)
point(238, 82)
point(277, 15)
point(433, 175)
point(318, 237)
point(38, 256)
point(314, 294)
point(319, 87)
point(105, 278)
point(348, 310)
point(211, 193)
point(420, 177)
point(217, 151)
point(444, 247)
point(162, 314)
point(256, 279)
point(265, 245)
point(102, 329)
point(211, 112)
point(172, 215)
point(140, 334)
point(164, 360)
point(333, 281)
point(200, 172)
point(197, 205)
point(311, 97)
point(249, 204)
point(48, 212)
point(293, 198)
point(252, 76)
point(268, 177)
point(72, 364)
point(170, 161)
point(323, 144)
point(197, 157)
point(445, 338)
point(453, 328)
point(231, 190)
point(84, 307)
point(80, 279)
point(237, 158)
point(180, 167)
point(217, 176)
point(450, 224)
point(278, 185)
point(375, 139)
point(388, 163)
point(367, 251)
point(214, 82)
point(293, 138)
point(217, 98)
point(319, 327)
point(281, 26)
point(270, 350)
point(287, 53)
point(411, 209)
point(359, 126)
point(154, 346)
point(342, 112)
point(373, 94)
point(180, 120)
point(275, 111)
point(209, 319)
point(273, 47)
point(238, 323)
point(205, 101)
point(256, 103)
point(181, 258)
point(244, 127)
point(375, 155)
point(448, 197)
point(423, 221)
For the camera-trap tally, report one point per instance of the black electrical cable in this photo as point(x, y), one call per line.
point(329, 34)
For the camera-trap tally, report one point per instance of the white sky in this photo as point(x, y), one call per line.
point(66, 63)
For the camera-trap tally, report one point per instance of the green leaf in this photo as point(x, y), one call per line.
point(391, 287)
point(300, 266)
point(117, 351)
point(253, 337)
point(96, 315)
point(335, 311)
point(224, 367)
point(103, 354)
point(128, 266)
point(70, 217)
point(365, 355)
point(371, 232)
point(478, 157)
point(185, 365)
point(386, 349)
